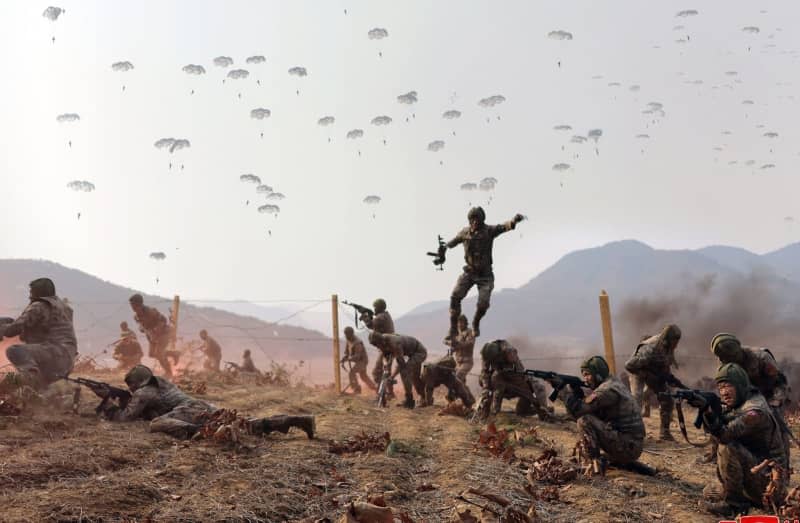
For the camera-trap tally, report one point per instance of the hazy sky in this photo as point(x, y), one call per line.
point(679, 192)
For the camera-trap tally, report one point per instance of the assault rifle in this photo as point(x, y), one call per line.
point(359, 310)
point(702, 400)
point(558, 382)
point(438, 256)
point(104, 391)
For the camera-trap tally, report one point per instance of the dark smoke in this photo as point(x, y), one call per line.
point(760, 309)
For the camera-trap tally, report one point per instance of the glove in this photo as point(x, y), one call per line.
point(518, 218)
point(573, 403)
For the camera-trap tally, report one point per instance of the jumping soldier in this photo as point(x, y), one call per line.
point(477, 239)
point(502, 374)
point(409, 354)
point(382, 323)
point(650, 371)
point(443, 372)
point(356, 354)
point(154, 325)
point(172, 411)
point(212, 350)
point(127, 350)
point(748, 433)
point(49, 345)
point(609, 420)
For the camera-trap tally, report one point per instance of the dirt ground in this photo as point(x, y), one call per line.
point(59, 466)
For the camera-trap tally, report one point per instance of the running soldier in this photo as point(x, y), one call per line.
point(463, 347)
point(154, 325)
point(212, 350)
point(356, 354)
point(382, 323)
point(650, 371)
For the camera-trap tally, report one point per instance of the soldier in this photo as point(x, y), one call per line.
point(502, 374)
point(463, 348)
point(748, 433)
point(356, 354)
point(174, 412)
point(762, 371)
point(609, 419)
point(409, 354)
point(212, 350)
point(247, 362)
point(382, 323)
point(154, 325)
point(477, 240)
point(127, 350)
point(49, 345)
point(650, 370)
point(443, 372)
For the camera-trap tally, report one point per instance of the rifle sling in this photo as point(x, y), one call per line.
point(682, 424)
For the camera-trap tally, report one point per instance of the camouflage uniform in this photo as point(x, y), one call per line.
point(127, 351)
point(213, 353)
point(443, 372)
point(609, 419)
point(409, 354)
point(154, 325)
point(356, 354)
point(173, 412)
point(381, 323)
point(478, 268)
point(503, 373)
point(762, 371)
point(650, 367)
point(463, 349)
point(748, 434)
point(50, 346)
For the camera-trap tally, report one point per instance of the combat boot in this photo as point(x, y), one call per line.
point(307, 424)
point(283, 424)
point(666, 417)
point(408, 403)
point(726, 508)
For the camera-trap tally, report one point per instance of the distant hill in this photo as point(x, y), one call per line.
point(100, 306)
point(705, 291)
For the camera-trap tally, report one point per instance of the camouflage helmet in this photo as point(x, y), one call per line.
point(597, 367)
point(727, 348)
point(671, 335)
point(492, 351)
point(136, 299)
point(138, 377)
point(348, 331)
point(203, 333)
point(463, 319)
point(736, 376)
point(379, 305)
point(476, 213)
point(247, 352)
point(123, 325)
point(42, 288)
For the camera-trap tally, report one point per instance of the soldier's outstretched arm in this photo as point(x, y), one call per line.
point(458, 238)
point(510, 225)
point(35, 314)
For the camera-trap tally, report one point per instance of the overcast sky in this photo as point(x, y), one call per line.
point(678, 193)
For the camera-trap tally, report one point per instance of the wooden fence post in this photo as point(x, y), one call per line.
point(608, 337)
point(337, 373)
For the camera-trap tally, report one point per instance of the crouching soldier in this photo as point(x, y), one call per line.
point(502, 377)
point(609, 419)
point(748, 434)
point(172, 411)
point(409, 354)
point(443, 372)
